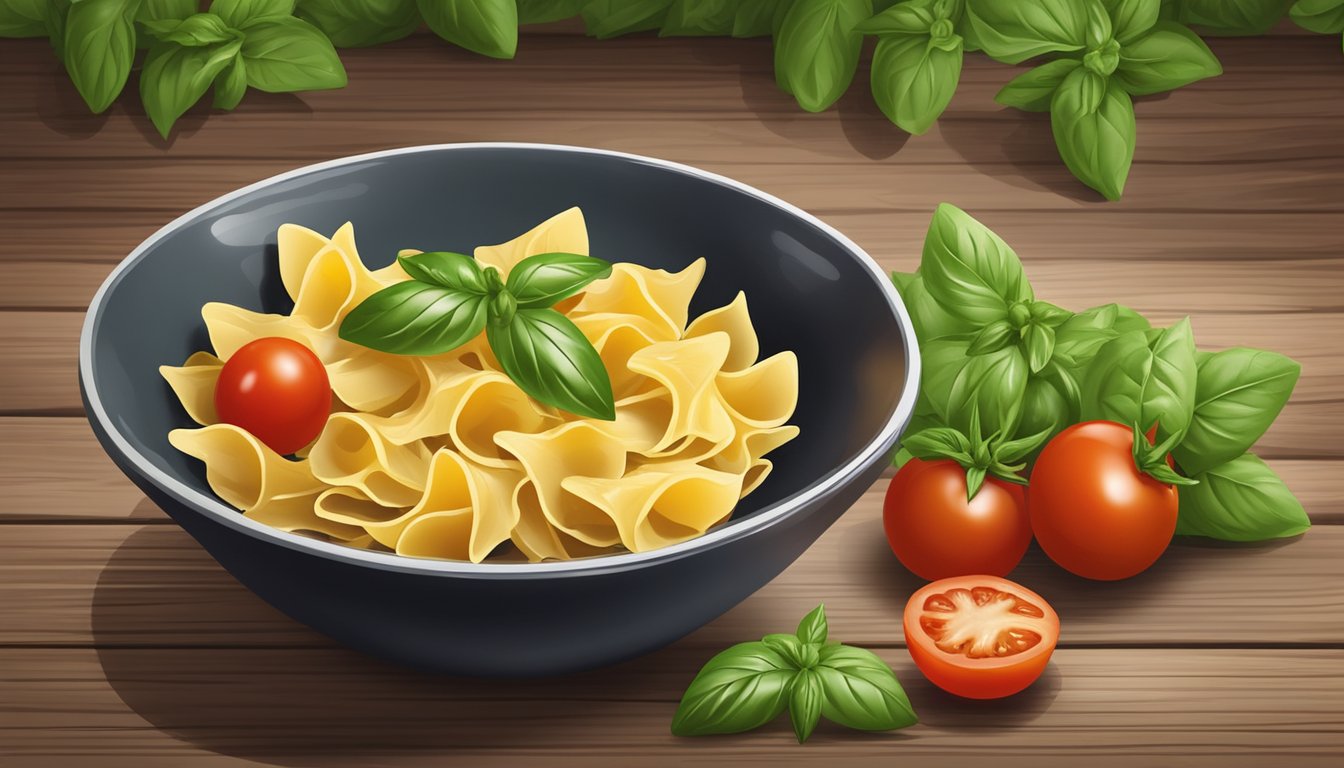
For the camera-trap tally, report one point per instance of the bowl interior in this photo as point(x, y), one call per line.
point(806, 290)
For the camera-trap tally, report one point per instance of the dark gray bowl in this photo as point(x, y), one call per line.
point(810, 290)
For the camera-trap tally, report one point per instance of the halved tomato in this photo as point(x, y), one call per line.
point(982, 637)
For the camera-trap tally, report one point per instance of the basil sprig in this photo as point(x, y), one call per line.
point(450, 299)
point(917, 63)
point(750, 684)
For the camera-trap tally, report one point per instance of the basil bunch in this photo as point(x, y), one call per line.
point(1323, 16)
point(995, 354)
point(750, 684)
point(450, 299)
point(1110, 50)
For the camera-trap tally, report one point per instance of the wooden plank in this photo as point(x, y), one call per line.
point(117, 585)
point(36, 455)
point(1106, 708)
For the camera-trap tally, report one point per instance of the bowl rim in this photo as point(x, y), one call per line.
point(212, 507)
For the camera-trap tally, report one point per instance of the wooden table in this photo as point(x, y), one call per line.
point(122, 643)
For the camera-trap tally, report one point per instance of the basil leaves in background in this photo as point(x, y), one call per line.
point(1325, 17)
point(450, 299)
point(751, 684)
point(361, 23)
point(995, 355)
point(817, 49)
point(917, 62)
point(1227, 17)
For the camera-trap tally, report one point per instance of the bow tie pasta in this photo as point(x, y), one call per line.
point(444, 456)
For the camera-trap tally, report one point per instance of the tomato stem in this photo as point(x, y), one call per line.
point(1152, 460)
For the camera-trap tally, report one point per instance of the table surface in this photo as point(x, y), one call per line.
point(123, 643)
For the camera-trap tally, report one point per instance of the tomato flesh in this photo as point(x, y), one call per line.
point(981, 637)
point(277, 390)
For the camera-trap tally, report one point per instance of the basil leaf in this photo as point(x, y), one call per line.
point(544, 11)
point(197, 30)
point(1131, 382)
point(1050, 402)
point(241, 14)
point(931, 321)
point(544, 279)
point(739, 689)
point(699, 18)
point(1131, 18)
point(610, 18)
point(934, 443)
point(1323, 16)
point(817, 50)
point(1167, 57)
point(1093, 123)
point(1242, 500)
point(56, 11)
point(1078, 338)
point(175, 77)
point(992, 338)
point(759, 18)
point(958, 385)
point(487, 27)
point(909, 18)
point(859, 690)
point(161, 10)
point(1033, 89)
point(1013, 31)
point(805, 703)
point(231, 84)
point(970, 271)
point(1238, 394)
point(415, 318)
point(446, 269)
point(799, 654)
point(288, 54)
point(550, 359)
point(361, 23)
point(99, 45)
point(23, 18)
point(1098, 30)
point(1040, 344)
point(1240, 17)
point(813, 628)
point(913, 80)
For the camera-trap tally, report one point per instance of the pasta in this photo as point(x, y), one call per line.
point(444, 456)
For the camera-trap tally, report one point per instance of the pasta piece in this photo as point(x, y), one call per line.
point(466, 512)
point(352, 452)
point(748, 445)
point(335, 283)
point(763, 395)
point(194, 384)
point(564, 232)
point(734, 320)
point(537, 539)
point(755, 475)
point(296, 514)
point(616, 337)
point(351, 506)
point(687, 369)
point(655, 507)
point(657, 295)
point(231, 327)
point(641, 420)
point(297, 246)
point(573, 448)
point(372, 381)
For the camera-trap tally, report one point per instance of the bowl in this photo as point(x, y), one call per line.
point(810, 289)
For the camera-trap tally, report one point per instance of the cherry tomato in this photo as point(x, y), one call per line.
point(1094, 513)
point(936, 533)
point(981, 637)
point(276, 389)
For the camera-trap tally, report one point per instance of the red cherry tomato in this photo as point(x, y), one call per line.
point(936, 532)
point(981, 637)
point(277, 390)
point(1094, 513)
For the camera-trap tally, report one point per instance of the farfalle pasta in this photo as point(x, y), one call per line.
point(445, 456)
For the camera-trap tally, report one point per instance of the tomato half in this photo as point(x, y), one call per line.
point(982, 637)
point(1093, 511)
point(276, 389)
point(935, 532)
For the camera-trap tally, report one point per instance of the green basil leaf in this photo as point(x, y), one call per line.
point(415, 318)
point(913, 81)
point(741, 688)
point(161, 10)
point(1098, 30)
point(805, 703)
point(1238, 394)
point(550, 359)
point(99, 45)
point(908, 18)
point(449, 270)
point(1040, 344)
point(1131, 18)
point(1131, 382)
point(288, 54)
point(23, 18)
point(1013, 31)
point(1033, 89)
point(175, 77)
point(992, 338)
point(799, 654)
point(813, 628)
point(487, 27)
point(231, 84)
point(759, 18)
point(860, 691)
point(1093, 123)
point(958, 385)
point(1242, 500)
point(195, 31)
point(1238, 17)
point(970, 271)
point(241, 14)
point(932, 443)
point(1050, 402)
point(1078, 338)
point(1169, 56)
point(610, 18)
point(544, 279)
point(361, 23)
point(545, 11)
point(56, 11)
point(1323, 16)
point(931, 321)
point(698, 18)
point(817, 50)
